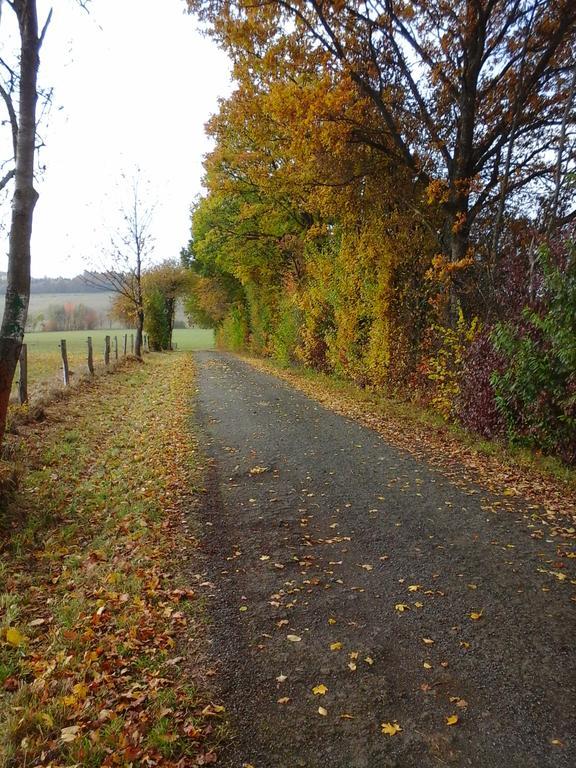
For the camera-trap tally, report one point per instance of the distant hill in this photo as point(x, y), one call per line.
point(76, 284)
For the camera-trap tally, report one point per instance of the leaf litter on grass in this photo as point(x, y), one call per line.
point(94, 660)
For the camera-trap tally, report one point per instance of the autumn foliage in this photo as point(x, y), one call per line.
point(384, 178)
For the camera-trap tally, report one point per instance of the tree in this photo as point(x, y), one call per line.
point(131, 249)
point(163, 285)
point(22, 119)
point(471, 94)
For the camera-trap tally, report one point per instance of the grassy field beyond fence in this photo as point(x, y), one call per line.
point(44, 361)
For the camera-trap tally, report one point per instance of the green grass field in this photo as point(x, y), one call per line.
point(44, 362)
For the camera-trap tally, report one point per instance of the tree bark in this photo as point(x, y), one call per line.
point(23, 202)
point(139, 334)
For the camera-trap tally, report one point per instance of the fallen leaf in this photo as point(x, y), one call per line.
point(319, 690)
point(322, 711)
point(346, 716)
point(414, 587)
point(294, 638)
point(243, 608)
point(475, 615)
point(335, 646)
point(391, 729)
point(265, 557)
point(427, 641)
point(281, 678)
point(14, 637)
point(426, 665)
point(452, 719)
point(284, 700)
point(331, 621)
point(401, 607)
point(352, 666)
point(70, 733)
point(369, 660)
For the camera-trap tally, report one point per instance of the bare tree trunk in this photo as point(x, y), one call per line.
point(560, 155)
point(139, 334)
point(23, 202)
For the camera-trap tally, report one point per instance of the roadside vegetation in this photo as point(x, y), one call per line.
point(372, 214)
point(102, 634)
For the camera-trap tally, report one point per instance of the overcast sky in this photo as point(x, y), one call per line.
point(134, 83)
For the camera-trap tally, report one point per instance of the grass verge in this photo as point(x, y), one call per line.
point(100, 630)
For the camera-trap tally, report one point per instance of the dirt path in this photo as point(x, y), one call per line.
point(317, 529)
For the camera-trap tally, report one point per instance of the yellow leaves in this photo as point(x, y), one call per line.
point(243, 608)
point(401, 607)
point(331, 620)
point(80, 690)
point(369, 660)
point(322, 711)
point(335, 646)
point(428, 641)
point(14, 637)
point(284, 700)
point(452, 719)
point(320, 690)
point(414, 587)
point(391, 729)
point(427, 665)
point(476, 615)
point(257, 470)
point(294, 638)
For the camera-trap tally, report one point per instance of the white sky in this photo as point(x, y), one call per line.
point(134, 83)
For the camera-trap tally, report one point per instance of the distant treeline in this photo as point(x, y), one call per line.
point(78, 284)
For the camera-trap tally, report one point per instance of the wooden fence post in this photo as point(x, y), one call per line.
point(107, 350)
point(125, 344)
point(116, 347)
point(90, 357)
point(23, 383)
point(131, 343)
point(65, 368)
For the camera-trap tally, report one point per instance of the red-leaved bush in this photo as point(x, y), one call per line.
point(476, 406)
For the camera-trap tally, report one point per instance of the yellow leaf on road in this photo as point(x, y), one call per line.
point(322, 711)
point(283, 700)
point(452, 720)
point(335, 646)
point(391, 729)
point(401, 607)
point(319, 690)
point(475, 615)
point(294, 638)
point(427, 641)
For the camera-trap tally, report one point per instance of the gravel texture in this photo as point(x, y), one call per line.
point(316, 528)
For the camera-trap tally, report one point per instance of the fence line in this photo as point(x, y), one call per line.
point(65, 367)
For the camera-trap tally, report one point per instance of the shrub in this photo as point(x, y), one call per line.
point(234, 330)
point(476, 406)
point(536, 393)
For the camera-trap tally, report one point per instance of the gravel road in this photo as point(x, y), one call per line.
point(339, 561)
